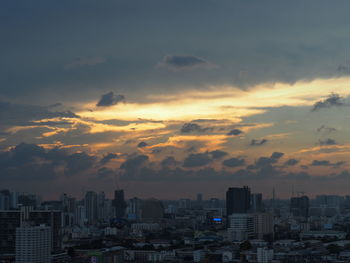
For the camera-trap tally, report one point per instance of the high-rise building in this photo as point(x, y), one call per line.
point(119, 203)
point(256, 204)
point(199, 201)
point(237, 200)
point(263, 225)
point(90, 203)
point(241, 227)
point(299, 206)
point(12, 219)
point(185, 203)
point(101, 207)
point(33, 244)
point(329, 200)
point(14, 200)
point(152, 210)
point(134, 209)
point(80, 215)
point(68, 210)
point(215, 203)
point(5, 200)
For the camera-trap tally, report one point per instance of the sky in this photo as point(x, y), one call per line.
point(168, 99)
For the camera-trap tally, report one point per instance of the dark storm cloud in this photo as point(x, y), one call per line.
point(132, 164)
point(142, 144)
point(109, 99)
point(291, 162)
point(326, 163)
point(266, 162)
point(169, 161)
point(22, 114)
point(110, 156)
point(79, 162)
point(276, 155)
point(233, 162)
point(327, 141)
point(263, 161)
point(325, 129)
point(192, 127)
point(217, 154)
point(105, 172)
point(197, 160)
point(255, 142)
point(235, 132)
point(333, 100)
point(27, 162)
point(178, 62)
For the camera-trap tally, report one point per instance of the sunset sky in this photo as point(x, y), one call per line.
point(168, 99)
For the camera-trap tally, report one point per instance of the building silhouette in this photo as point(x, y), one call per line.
point(119, 203)
point(237, 200)
point(299, 206)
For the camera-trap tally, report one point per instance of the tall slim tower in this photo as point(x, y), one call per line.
point(119, 203)
point(90, 203)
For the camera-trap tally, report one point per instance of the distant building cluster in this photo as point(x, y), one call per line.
point(244, 227)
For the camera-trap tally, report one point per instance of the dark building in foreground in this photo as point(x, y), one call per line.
point(299, 206)
point(237, 200)
point(11, 219)
point(119, 203)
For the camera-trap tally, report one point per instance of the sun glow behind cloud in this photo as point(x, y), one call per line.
point(220, 102)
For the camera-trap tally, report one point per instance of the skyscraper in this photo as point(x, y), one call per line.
point(299, 206)
point(256, 204)
point(119, 203)
point(237, 200)
point(90, 203)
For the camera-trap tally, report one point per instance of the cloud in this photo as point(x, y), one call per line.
point(333, 100)
point(255, 142)
point(327, 163)
point(169, 161)
point(267, 162)
point(105, 159)
point(325, 129)
point(132, 164)
point(25, 114)
point(105, 172)
point(142, 144)
point(30, 162)
point(109, 99)
point(328, 141)
point(233, 162)
point(276, 155)
point(79, 162)
point(217, 154)
point(85, 61)
point(196, 160)
point(178, 62)
point(157, 150)
point(291, 162)
point(235, 132)
point(192, 127)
